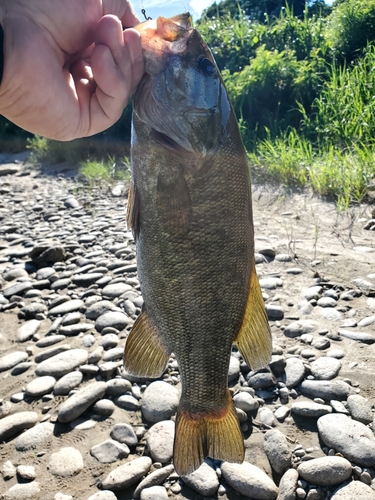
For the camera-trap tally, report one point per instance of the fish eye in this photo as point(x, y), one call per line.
point(206, 66)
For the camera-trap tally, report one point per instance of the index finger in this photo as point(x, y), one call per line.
point(123, 9)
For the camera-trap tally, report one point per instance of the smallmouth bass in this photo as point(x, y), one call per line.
point(191, 215)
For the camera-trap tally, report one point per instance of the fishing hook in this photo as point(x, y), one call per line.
point(146, 17)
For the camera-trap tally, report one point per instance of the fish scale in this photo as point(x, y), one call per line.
point(191, 216)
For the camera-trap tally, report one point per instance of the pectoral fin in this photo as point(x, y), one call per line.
point(132, 216)
point(254, 338)
point(144, 355)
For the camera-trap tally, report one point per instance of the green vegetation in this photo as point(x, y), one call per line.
point(301, 78)
point(104, 171)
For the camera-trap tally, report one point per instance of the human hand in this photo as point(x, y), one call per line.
point(69, 69)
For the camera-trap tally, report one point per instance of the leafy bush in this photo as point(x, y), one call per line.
point(351, 27)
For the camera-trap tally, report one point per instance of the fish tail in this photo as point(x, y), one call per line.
point(200, 435)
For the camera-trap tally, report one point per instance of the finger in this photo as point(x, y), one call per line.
point(123, 9)
point(133, 42)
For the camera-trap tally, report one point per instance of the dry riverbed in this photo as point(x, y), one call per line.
point(74, 425)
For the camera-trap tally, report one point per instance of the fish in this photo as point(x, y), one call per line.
point(190, 211)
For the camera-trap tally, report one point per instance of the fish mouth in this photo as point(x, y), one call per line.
point(168, 29)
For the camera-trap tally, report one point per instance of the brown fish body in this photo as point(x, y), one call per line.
point(192, 219)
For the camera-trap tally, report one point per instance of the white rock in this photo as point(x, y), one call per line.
point(249, 480)
point(127, 474)
point(325, 471)
point(204, 480)
point(160, 439)
point(66, 463)
point(159, 401)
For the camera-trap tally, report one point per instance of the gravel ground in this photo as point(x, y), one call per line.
point(75, 425)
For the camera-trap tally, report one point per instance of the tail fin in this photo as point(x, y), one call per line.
point(200, 435)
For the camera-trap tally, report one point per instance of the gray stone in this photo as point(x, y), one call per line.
point(27, 330)
point(67, 383)
point(353, 440)
point(16, 289)
point(99, 308)
point(234, 369)
point(294, 372)
point(109, 341)
point(367, 321)
point(327, 302)
point(310, 409)
point(326, 389)
point(118, 386)
point(266, 417)
point(288, 485)
point(204, 480)
point(67, 462)
point(32, 310)
point(26, 472)
point(366, 338)
point(159, 440)
point(270, 283)
point(103, 495)
point(10, 360)
point(109, 451)
point(325, 368)
point(360, 409)
point(13, 274)
point(67, 307)
point(277, 450)
point(127, 474)
point(354, 491)
point(331, 314)
point(274, 313)
point(115, 290)
point(154, 493)
point(249, 480)
point(8, 470)
point(113, 354)
point(62, 363)
point(298, 328)
point(72, 330)
point(40, 386)
point(23, 491)
point(335, 353)
point(325, 471)
point(245, 402)
point(14, 424)
point(104, 407)
point(128, 403)
point(159, 401)
point(155, 478)
point(312, 293)
point(112, 319)
point(33, 438)
point(73, 407)
point(48, 353)
point(124, 433)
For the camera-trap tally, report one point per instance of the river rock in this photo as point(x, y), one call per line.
point(73, 407)
point(33, 438)
point(127, 474)
point(298, 328)
point(10, 360)
point(160, 439)
point(310, 409)
point(288, 485)
point(23, 491)
point(277, 450)
point(325, 368)
point(204, 480)
point(326, 471)
point(366, 338)
point(294, 372)
point(14, 424)
point(109, 451)
point(249, 480)
point(67, 462)
point(155, 478)
point(353, 440)
point(354, 491)
point(154, 493)
point(27, 330)
point(325, 389)
point(360, 409)
point(112, 319)
point(159, 401)
point(67, 383)
point(124, 433)
point(62, 363)
point(40, 386)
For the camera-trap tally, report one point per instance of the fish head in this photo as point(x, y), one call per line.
point(182, 96)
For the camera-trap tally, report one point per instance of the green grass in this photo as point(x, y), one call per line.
point(343, 175)
point(104, 171)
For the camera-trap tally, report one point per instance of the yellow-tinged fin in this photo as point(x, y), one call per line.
point(216, 435)
point(169, 30)
point(132, 216)
point(254, 338)
point(144, 355)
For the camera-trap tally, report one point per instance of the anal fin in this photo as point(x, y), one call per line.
point(254, 338)
point(216, 435)
point(145, 355)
